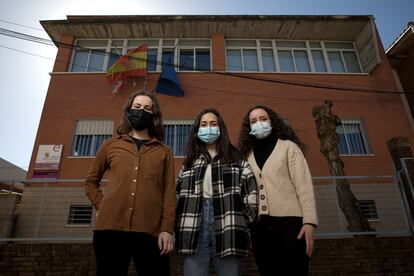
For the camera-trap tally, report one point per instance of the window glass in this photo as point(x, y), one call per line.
point(92, 43)
point(176, 136)
point(339, 45)
point(80, 215)
point(335, 61)
point(318, 61)
point(351, 62)
point(202, 59)
point(96, 61)
point(194, 43)
point(80, 61)
point(241, 43)
point(302, 61)
point(268, 60)
point(352, 139)
point(291, 44)
point(250, 60)
point(89, 135)
point(265, 43)
point(234, 61)
point(167, 58)
point(186, 60)
point(286, 61)
point(314, 44)
point(152, 59)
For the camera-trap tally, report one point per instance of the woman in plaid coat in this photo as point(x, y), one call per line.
point(216, 199)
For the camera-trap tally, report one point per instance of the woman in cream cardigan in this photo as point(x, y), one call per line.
point(282, 237)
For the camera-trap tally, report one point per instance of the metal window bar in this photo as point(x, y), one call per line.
point(369, 208)
point(80, 214)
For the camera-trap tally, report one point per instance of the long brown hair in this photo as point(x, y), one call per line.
point(155, 129)
point(279, 129)
point(226, 152)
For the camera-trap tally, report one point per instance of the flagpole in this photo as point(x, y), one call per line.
point(146, 71)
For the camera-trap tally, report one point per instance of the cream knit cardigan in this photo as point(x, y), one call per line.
point(285, 184)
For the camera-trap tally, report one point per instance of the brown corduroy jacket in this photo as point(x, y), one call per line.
point(140, 193)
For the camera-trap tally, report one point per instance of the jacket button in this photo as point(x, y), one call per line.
point(262, 197)
point(261, 187)
point(264, 208)
point(260, 175)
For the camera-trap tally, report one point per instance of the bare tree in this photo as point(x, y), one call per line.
point(326, 124)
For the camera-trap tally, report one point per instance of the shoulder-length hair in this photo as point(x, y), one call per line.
point(226, 152)
point(279, 129)
point(155, 129)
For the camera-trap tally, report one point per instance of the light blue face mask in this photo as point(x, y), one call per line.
point(208, 135)
point(260, 129)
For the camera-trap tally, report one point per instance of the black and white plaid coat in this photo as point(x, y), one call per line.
point(234, 201)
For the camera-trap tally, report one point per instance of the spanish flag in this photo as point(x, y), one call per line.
point(133, 64)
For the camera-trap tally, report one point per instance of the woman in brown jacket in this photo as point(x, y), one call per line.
point(135, 215)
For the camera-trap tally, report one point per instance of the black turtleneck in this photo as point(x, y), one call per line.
point(263, 148)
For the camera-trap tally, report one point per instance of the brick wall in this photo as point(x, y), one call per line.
point(358, 256)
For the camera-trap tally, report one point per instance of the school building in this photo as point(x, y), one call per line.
point(231, 63)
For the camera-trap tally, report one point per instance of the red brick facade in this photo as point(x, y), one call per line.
point(73, 96)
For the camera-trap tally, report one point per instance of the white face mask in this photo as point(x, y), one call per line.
point(260, 129)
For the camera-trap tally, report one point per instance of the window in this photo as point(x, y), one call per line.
point(89, 135)
point(80, 215)
point(291, 56)
point(369, 208)
point(152, 52)
point(242, 55)
point(89, 56)
point(98, 55)
point(176, 135)
point(352, 138)
point(116, 51)
point(342, 57)
point(194, 55)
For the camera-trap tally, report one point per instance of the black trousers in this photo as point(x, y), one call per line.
point(276, 248)
point(114, 250)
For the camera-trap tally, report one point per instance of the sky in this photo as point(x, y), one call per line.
point(25, 69)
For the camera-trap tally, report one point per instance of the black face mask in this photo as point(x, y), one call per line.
point(139, 118)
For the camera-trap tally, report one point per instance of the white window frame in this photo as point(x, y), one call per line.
point(307, 48)
point(194, 48)
point(370, 209)
point(241, 48)
point(341, 51)
point(159, 47)
point(72, 216)
point(106, 49)
point(93, 130)
point(175, 123)
point(363, 135)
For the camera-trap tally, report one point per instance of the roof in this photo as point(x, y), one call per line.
point(403, 43)
point(322, 27)
point(10, 171)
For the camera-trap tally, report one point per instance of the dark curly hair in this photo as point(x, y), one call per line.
point(279, 129)
point(226, 152)
point(155, 129)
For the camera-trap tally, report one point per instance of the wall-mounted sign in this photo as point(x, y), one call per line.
point(47, 161)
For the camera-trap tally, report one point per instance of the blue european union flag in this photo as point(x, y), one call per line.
point(168, 82)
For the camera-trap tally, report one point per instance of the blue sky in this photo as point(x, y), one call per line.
point(25, 77)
